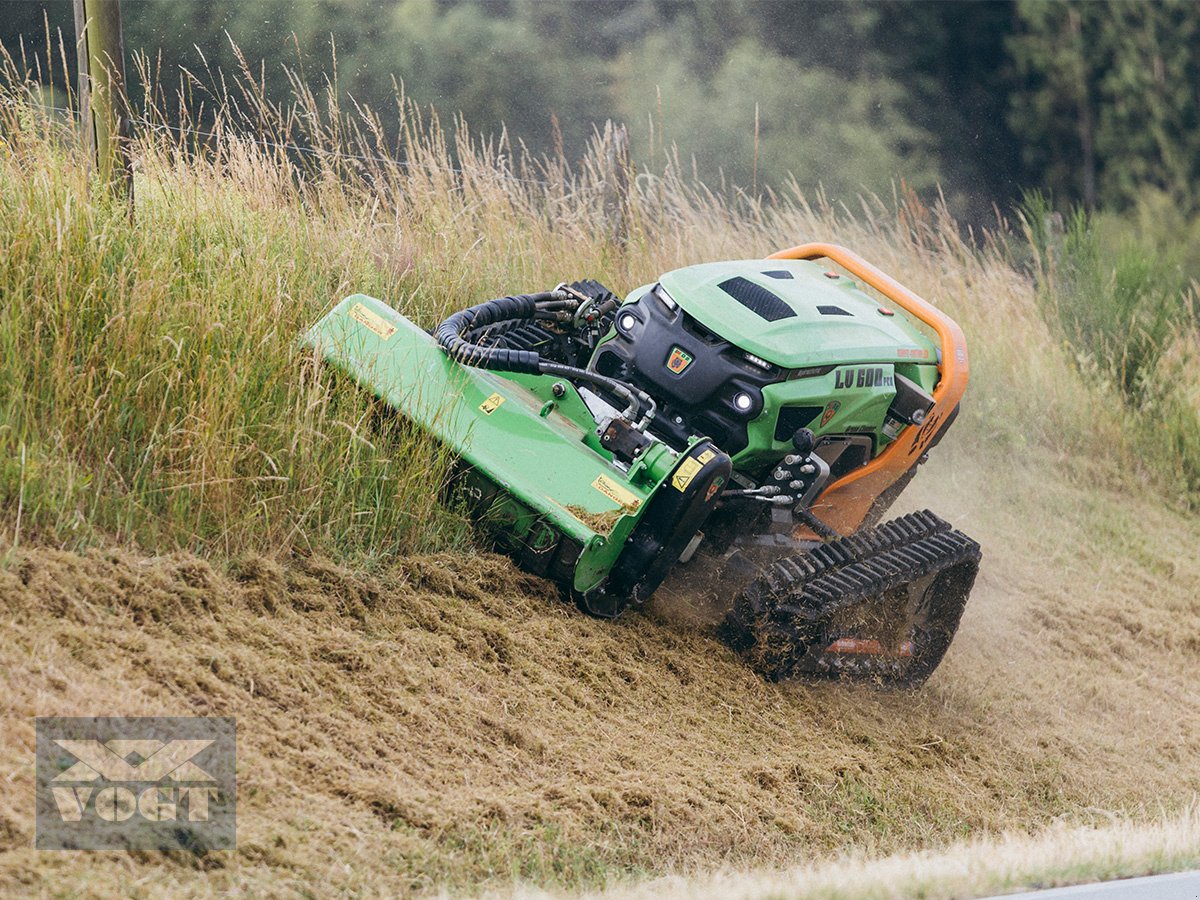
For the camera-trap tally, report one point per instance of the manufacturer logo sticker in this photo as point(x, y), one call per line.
point(717, 484)
point(679, 360)
point(831, 409)
point(146, 783)
point(926, 435)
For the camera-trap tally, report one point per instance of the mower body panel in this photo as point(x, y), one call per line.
point(811, 349)
point(796, 313)
point(833, 355)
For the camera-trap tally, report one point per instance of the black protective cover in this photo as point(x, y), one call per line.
point(702, 394)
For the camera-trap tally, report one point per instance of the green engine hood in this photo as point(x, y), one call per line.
point(819, 320)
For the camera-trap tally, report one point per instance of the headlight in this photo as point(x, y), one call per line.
point(758, 361)
point(747, 403)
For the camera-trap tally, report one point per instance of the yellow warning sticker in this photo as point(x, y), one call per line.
point(373, 321)
point(491, 404)
point(707, 456)
point(615, 492)
point(685, 473)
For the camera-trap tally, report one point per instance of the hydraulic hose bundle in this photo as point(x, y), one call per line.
point(460, 333)
point(450, 333)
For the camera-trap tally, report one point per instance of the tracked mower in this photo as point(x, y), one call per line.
point(752, 419)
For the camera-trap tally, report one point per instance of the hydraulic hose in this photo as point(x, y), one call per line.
point(636, 400)
point(449, 333)
point(458, 332)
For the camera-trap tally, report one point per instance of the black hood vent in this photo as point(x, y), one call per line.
point(757, 299)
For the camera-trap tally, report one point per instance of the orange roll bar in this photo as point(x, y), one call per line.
point(847, 502)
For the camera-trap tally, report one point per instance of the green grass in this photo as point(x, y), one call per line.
point(153, 390)
point(1126, 305)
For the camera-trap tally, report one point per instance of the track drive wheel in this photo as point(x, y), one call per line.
point(881, 606)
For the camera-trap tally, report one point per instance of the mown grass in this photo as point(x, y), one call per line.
point(449, 725)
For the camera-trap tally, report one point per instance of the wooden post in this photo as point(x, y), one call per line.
point(103, 105)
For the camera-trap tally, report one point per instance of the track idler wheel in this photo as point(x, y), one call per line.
point(880, 606)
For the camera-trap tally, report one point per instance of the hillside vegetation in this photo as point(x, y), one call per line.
point(197, 520)
point(1060, 855)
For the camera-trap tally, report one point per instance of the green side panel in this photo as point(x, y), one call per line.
point(810, 337)
point(536, 448)
point(846, 400)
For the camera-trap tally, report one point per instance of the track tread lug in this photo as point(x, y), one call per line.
point(785, 616)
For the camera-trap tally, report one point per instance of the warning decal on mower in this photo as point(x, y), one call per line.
point(491, 404)
point(613, 491)
point(373, 321)
point(685, 473)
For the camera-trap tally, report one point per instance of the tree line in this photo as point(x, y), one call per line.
point(1094, 103)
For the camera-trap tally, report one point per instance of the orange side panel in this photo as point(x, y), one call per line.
point(845, 503)
point(868, 646)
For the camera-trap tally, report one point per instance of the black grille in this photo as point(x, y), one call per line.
point(757, 299)
point(779, 273)
point(793, 418)
point(833, 311)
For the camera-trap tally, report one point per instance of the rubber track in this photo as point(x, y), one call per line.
point(783, 621)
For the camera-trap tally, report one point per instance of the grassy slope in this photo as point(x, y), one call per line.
point(451, 723)
point(421, 721)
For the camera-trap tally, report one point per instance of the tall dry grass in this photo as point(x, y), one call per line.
point(153, 390)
